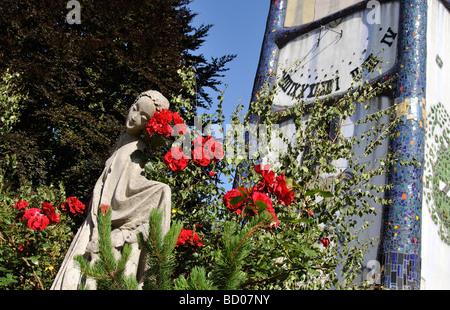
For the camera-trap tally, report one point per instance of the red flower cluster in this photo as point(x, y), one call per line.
point(38, 219)
point(274, 185)
point(72, 205)
point(206, 150)
point(50, 211)
point(238, 206)
point(21, 205)
point(189, 237)
point(325, 242)
point(176, 160)
point(245, 201)
point(166, 123)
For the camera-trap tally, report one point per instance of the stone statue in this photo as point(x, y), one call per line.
point(123, 186)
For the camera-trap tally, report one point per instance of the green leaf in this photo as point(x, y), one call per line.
point(157, 141)
point(291, 183)
point(242, 191)
point(236, 200)
point(261, 205)
point(294, 220)
point(34, 260)
point(310, 252)
point(325, 194)
point(311, 192)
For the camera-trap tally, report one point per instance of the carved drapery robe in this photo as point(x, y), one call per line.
point(132, 196)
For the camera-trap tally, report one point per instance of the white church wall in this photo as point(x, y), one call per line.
point(351, 128)
point(435, 223)
point(330, 57)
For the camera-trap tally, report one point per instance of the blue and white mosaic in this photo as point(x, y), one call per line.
point(401, 234)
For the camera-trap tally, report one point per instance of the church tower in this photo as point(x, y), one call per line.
point(312, 43)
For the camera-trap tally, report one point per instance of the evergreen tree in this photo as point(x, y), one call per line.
point(227, 273)
point(81, 78)
point(159, 250)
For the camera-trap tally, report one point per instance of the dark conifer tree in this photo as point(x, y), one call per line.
point(81, 78)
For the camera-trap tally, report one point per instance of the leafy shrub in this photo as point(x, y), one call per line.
point(34, 236)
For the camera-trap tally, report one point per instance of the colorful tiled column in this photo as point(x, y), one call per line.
point(270, 51)
point(401, 235)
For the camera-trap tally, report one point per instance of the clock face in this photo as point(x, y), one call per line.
point(328, 58)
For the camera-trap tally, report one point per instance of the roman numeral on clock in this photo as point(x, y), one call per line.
point(389, 37)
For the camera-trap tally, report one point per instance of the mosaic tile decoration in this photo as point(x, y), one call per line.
point(270, 50)
point(404, 270)
point(437, 166)
point(401, 234)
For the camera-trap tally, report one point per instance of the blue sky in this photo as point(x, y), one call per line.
point(238, 28)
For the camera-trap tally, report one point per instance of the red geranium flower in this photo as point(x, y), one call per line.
point(284, 195)
point(159, 123)
point(50, 212)
point(189, 237)
point(176, 160)
point(258, 196)
point(238, 207)
point(325, 242)
point(21, 205)
point(162, 121)
point(72, 205)
point(198, 141)
point(248, 205)
point(268, 178)
point(180, 127)
point(206, 150)
point(213, 149)
point(199, 157)
point(36, 220)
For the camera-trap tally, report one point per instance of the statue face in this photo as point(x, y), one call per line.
point(139, 115)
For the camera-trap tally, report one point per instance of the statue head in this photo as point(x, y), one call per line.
point(143, 108)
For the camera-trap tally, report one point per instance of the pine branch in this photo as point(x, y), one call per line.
point(107, 271)
point(198, 280)
point(159, 251)
point(228, 273)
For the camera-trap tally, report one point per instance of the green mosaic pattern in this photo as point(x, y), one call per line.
point(437, 169)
